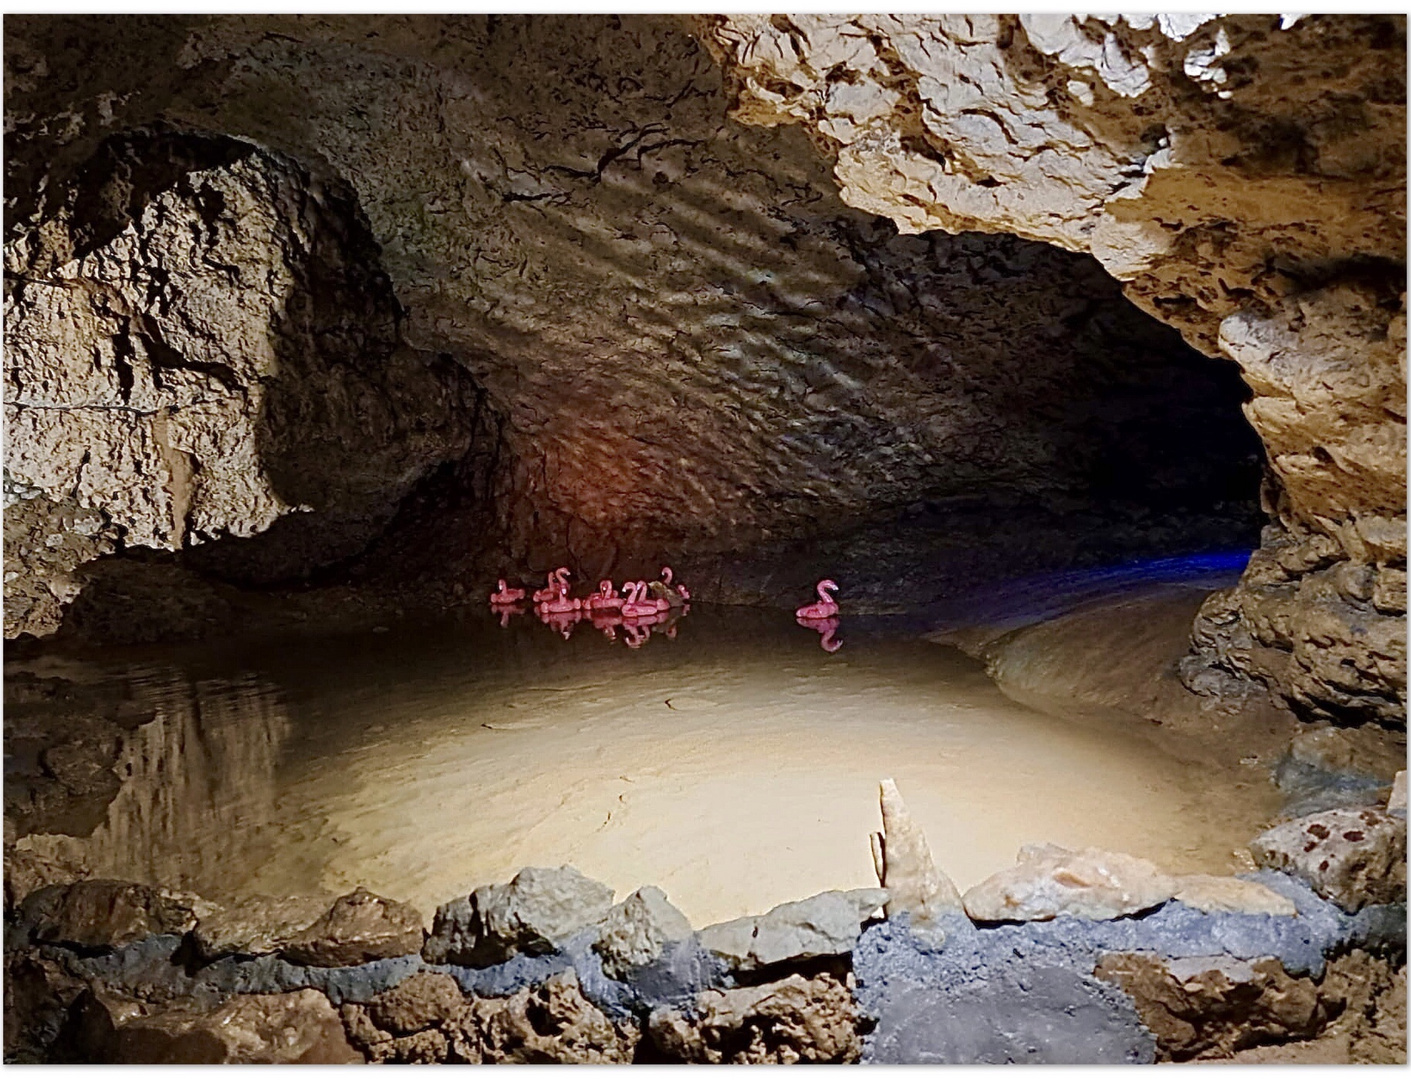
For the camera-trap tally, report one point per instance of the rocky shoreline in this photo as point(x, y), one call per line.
point(1069, 957)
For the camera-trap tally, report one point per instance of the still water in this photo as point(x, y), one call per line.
point(735, 765)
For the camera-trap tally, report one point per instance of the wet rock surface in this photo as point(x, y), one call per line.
point(1352, 857)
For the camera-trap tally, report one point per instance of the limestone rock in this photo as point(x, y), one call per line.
point(358, 928)
point(1049, 881)
point(1352, 857)
point(636, 930)
point(416, 1003)
point(824, 925)
point(257, 926)
point(905, 867)
point(1397, 799)
point(1215, 1004)
point(251, 1029)
point(549, 1024)
point(1209, 892)
point(786, 1022)
point(103, 914)
point(534, 913)
point(404, 332)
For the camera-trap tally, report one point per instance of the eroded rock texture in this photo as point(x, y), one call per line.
point(1244, 176)
point(686, 342)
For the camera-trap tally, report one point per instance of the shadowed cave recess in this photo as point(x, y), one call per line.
point(327, 323)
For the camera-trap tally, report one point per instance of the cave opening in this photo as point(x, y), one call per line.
point(318, 330)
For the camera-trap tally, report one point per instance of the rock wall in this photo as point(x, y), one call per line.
point(1244, 177)
point(666, 334)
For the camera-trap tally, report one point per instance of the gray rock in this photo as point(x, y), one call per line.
point(535, 914)
point(358, 928)
point(824, 925)
point(1353, 857)
point(1396, 801)
point(1049, 881)
point(637, 930)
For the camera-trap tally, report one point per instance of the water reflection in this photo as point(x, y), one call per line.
point(827, 630)
point(198, 798)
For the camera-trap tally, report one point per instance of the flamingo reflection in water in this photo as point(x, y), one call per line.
point(827, 629)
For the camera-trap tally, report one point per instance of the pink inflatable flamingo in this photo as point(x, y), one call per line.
point(505, 595)
point(678, 593)
point(562, 603)
point(637, 605)
point(605, 599)
point(826, 607)
point(556, 579)
point(827, 630)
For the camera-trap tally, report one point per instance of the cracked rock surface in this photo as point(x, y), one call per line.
point(1244, 177)
point(523, 270)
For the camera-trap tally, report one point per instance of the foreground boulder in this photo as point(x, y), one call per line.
point(251, 1029)
point(824, 925)
point(1050, 881)
point(358, 928)
point(793, 1020)
point(1353, 857)
point(535, 913)
point(637, 930)
point(426, 1019)
point(101, 914)
point(257, 926)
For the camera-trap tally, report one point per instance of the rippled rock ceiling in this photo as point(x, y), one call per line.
point(466, 293)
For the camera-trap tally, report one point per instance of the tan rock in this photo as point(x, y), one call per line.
point(786, 1022)
point(1397, 799)
point(1215, 1004)
point(1050, 881)
point(358, 927)
point(103, 914)
point(905, 866)
point(251, 1029)
point(257, 925)
point(416, 1003)
point(1352, 857)
point(1222, 895)
point(552, 1023)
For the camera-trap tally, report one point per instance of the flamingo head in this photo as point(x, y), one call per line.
point(666, 574)
point(503, 586)
point(605, 587)
point(562, 573)
point(829, 584)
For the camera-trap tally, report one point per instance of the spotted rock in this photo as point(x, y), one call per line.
point(1353, 857)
